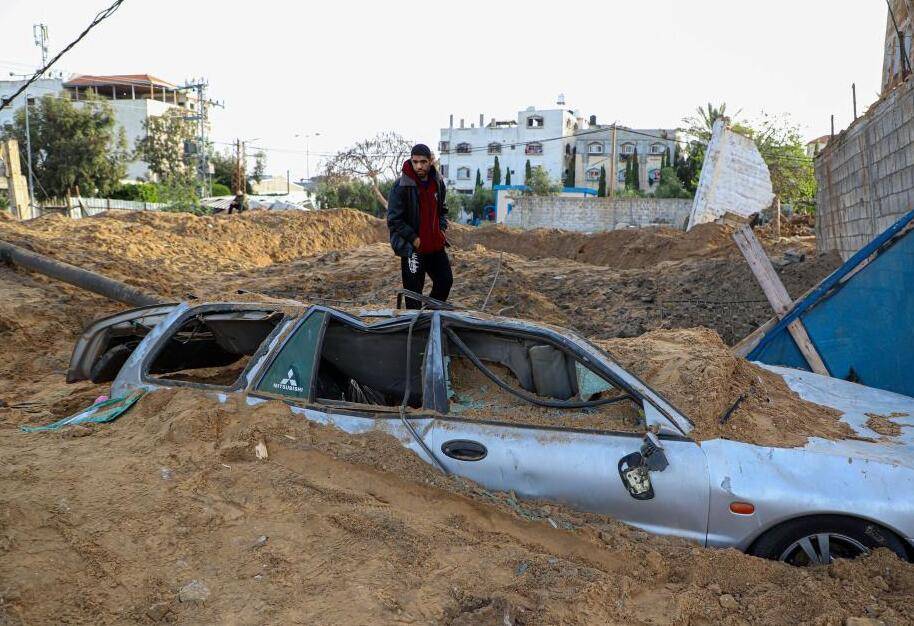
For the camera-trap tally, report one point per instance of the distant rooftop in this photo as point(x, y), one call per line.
point(138, 80)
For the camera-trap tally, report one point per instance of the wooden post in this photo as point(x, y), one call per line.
point(777, 295)
point(776, 208)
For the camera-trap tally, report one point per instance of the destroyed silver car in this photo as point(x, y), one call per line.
point(521, 406)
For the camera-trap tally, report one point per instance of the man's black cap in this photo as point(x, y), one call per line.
point(420, 149)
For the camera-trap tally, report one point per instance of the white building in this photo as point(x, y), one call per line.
point(134, 98)
point(464, 150)
point(41, 87)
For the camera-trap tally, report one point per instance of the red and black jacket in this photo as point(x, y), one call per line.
point(403, 211)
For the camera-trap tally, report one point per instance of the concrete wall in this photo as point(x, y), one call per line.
point(734, 178)
point(866, 174)
point(596, 214)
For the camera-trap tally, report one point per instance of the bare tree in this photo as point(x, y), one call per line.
point(376, 159)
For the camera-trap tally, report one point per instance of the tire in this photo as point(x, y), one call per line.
point(801, 541)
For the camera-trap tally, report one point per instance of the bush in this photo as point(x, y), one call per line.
point(539, 184)
point(352, 194)
point(670, 186)
point(180, 194)
point(480, 199)
point(455, 203)
point(136, 192)
point(218, 189)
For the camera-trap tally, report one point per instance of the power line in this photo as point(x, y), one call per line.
point(99, 18)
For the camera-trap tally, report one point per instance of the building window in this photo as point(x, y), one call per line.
point(595, 147)
point(489, 173)
point(657, 148)
point(444, 170)
point(463, 173)
point(533, 148)
point(593, 174)
point(535, 121)
point(494, 148)
point(464, 148)
point(628, 148)
point(444, 147)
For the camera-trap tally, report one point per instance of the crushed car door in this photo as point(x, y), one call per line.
point(106, 343)
point(590, 449)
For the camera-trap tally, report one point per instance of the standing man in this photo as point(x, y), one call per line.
point(417, 221)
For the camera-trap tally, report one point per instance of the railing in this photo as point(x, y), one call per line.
point(79, 207)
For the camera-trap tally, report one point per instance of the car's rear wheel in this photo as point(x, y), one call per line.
point(821, 539)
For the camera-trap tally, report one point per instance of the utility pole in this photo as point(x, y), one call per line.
point(612, 178)
point(308, 137)
point(28, 149)
point(201, 117)
point(238, 181)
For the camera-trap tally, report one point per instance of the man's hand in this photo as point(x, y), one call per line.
point(416, 243)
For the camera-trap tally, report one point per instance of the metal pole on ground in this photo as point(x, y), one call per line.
point(90, 281)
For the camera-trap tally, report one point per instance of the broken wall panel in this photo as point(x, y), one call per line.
point(866, 175)
point(860, 319)
point(734, 178)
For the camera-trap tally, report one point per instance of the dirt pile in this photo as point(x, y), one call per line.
point(725, 396)
point(167, 515)
point(621, 249)
point(164, 252)
point(342, 257)
point(601, 302)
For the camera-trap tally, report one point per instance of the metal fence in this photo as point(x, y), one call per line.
point(83, 207)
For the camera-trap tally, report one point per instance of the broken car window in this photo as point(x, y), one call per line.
point(369, 366)
point(536, 373)
point(213, 348)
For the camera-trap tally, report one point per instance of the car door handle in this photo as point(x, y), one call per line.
point(464, 450)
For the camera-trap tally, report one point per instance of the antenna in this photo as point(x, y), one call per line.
point(40, 33)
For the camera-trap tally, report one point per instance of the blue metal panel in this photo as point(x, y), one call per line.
point(864, 327)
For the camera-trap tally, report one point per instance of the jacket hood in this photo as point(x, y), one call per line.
point(411, 179)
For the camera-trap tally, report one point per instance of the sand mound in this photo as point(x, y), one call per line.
point(110, 524)
point(163, 250)
point(700, 376)
point(118, 521)
point(621, 249)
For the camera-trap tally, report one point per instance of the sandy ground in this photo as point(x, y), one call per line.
point(166, 515)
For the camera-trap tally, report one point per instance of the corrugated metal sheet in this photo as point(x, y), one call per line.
point(860, 318)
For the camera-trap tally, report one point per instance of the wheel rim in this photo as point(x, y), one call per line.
point(822, 549)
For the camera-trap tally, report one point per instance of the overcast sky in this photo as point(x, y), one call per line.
point(347, 70)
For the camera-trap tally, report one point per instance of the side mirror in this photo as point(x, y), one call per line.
point(635, 468)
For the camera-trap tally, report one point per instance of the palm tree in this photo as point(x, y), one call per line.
point(700, 125)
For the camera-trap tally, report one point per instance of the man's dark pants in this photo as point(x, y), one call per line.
point(438, 268)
